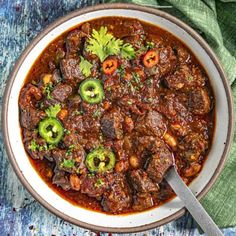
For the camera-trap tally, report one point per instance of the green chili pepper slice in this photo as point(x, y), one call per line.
point(51, 130)
point(100, 160)
point(91, 91)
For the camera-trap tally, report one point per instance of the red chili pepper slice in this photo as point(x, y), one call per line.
point(109, 66)
point(150, 59)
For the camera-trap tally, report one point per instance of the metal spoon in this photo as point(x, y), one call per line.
point(191, 203)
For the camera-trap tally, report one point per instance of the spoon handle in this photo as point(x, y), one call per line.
point(192, 204)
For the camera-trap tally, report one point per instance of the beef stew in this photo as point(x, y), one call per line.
point(107, 106)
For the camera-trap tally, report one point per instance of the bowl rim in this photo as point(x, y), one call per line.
point(56, 23)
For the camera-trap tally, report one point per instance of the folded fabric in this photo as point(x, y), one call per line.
point(215, 21)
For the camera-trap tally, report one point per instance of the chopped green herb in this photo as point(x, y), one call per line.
point(79, 112)
point(108, 88)
point(50, 146)
point(149, 81)
point(132, 88)
point(189, 78)
point(121, 71)
point(85, 67)
point(130, 102)
point(48, 89)
point(52, 111)
point(33, 145)
point(91, 175)
point(141, 50)
point(68, 163)
point(70, 149)
point(99, 183)
point(127, 51)
point(136, 77)
point(97, 113)
point(66, 131)
point(41, 105)
point(36, 147)
point(150, 45)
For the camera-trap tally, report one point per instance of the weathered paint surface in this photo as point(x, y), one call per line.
point(20, 214)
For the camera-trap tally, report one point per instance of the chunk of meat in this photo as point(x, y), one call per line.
point(118, 198)
point(160, 162)
point(176, 113)
point(135, 33)
point(165, 191)
point(37, 154)
point(70, 139)
point(118, 148)
point(185, 78)
point(74, 101)
point(86, 28)
point(153, 123)
point(141, 182)
point(183, 55)
point(133, 106)
point(75, 155)
point(29, 95)
point(193, 145)
point(71, 71)
point(167, 61)
point(61, 179)
point(143, 143)
point(111, 124)
point(93, 186)
point(61, 92)
point(75, 40)
point(30, 117)
point(142, 201)
point(199, 101)
point(56, 76)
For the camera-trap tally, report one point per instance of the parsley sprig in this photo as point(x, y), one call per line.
point(85, 67)
point(104, 44)
point(53, 110)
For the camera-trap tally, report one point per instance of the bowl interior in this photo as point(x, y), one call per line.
point(85, 217)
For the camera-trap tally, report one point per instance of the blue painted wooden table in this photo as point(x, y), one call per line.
point(20, 214)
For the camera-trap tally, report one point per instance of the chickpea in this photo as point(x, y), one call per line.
point(106, 105)
point(192, 170)
point(121, 166)
point(47, 79)
point(75, 182)
point(62, 114)
point(170, 140)
point(134, 161)
point(129, 124)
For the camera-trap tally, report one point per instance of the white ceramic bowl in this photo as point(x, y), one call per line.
point(100, 221)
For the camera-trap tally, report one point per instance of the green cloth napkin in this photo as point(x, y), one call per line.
point(216, 22)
